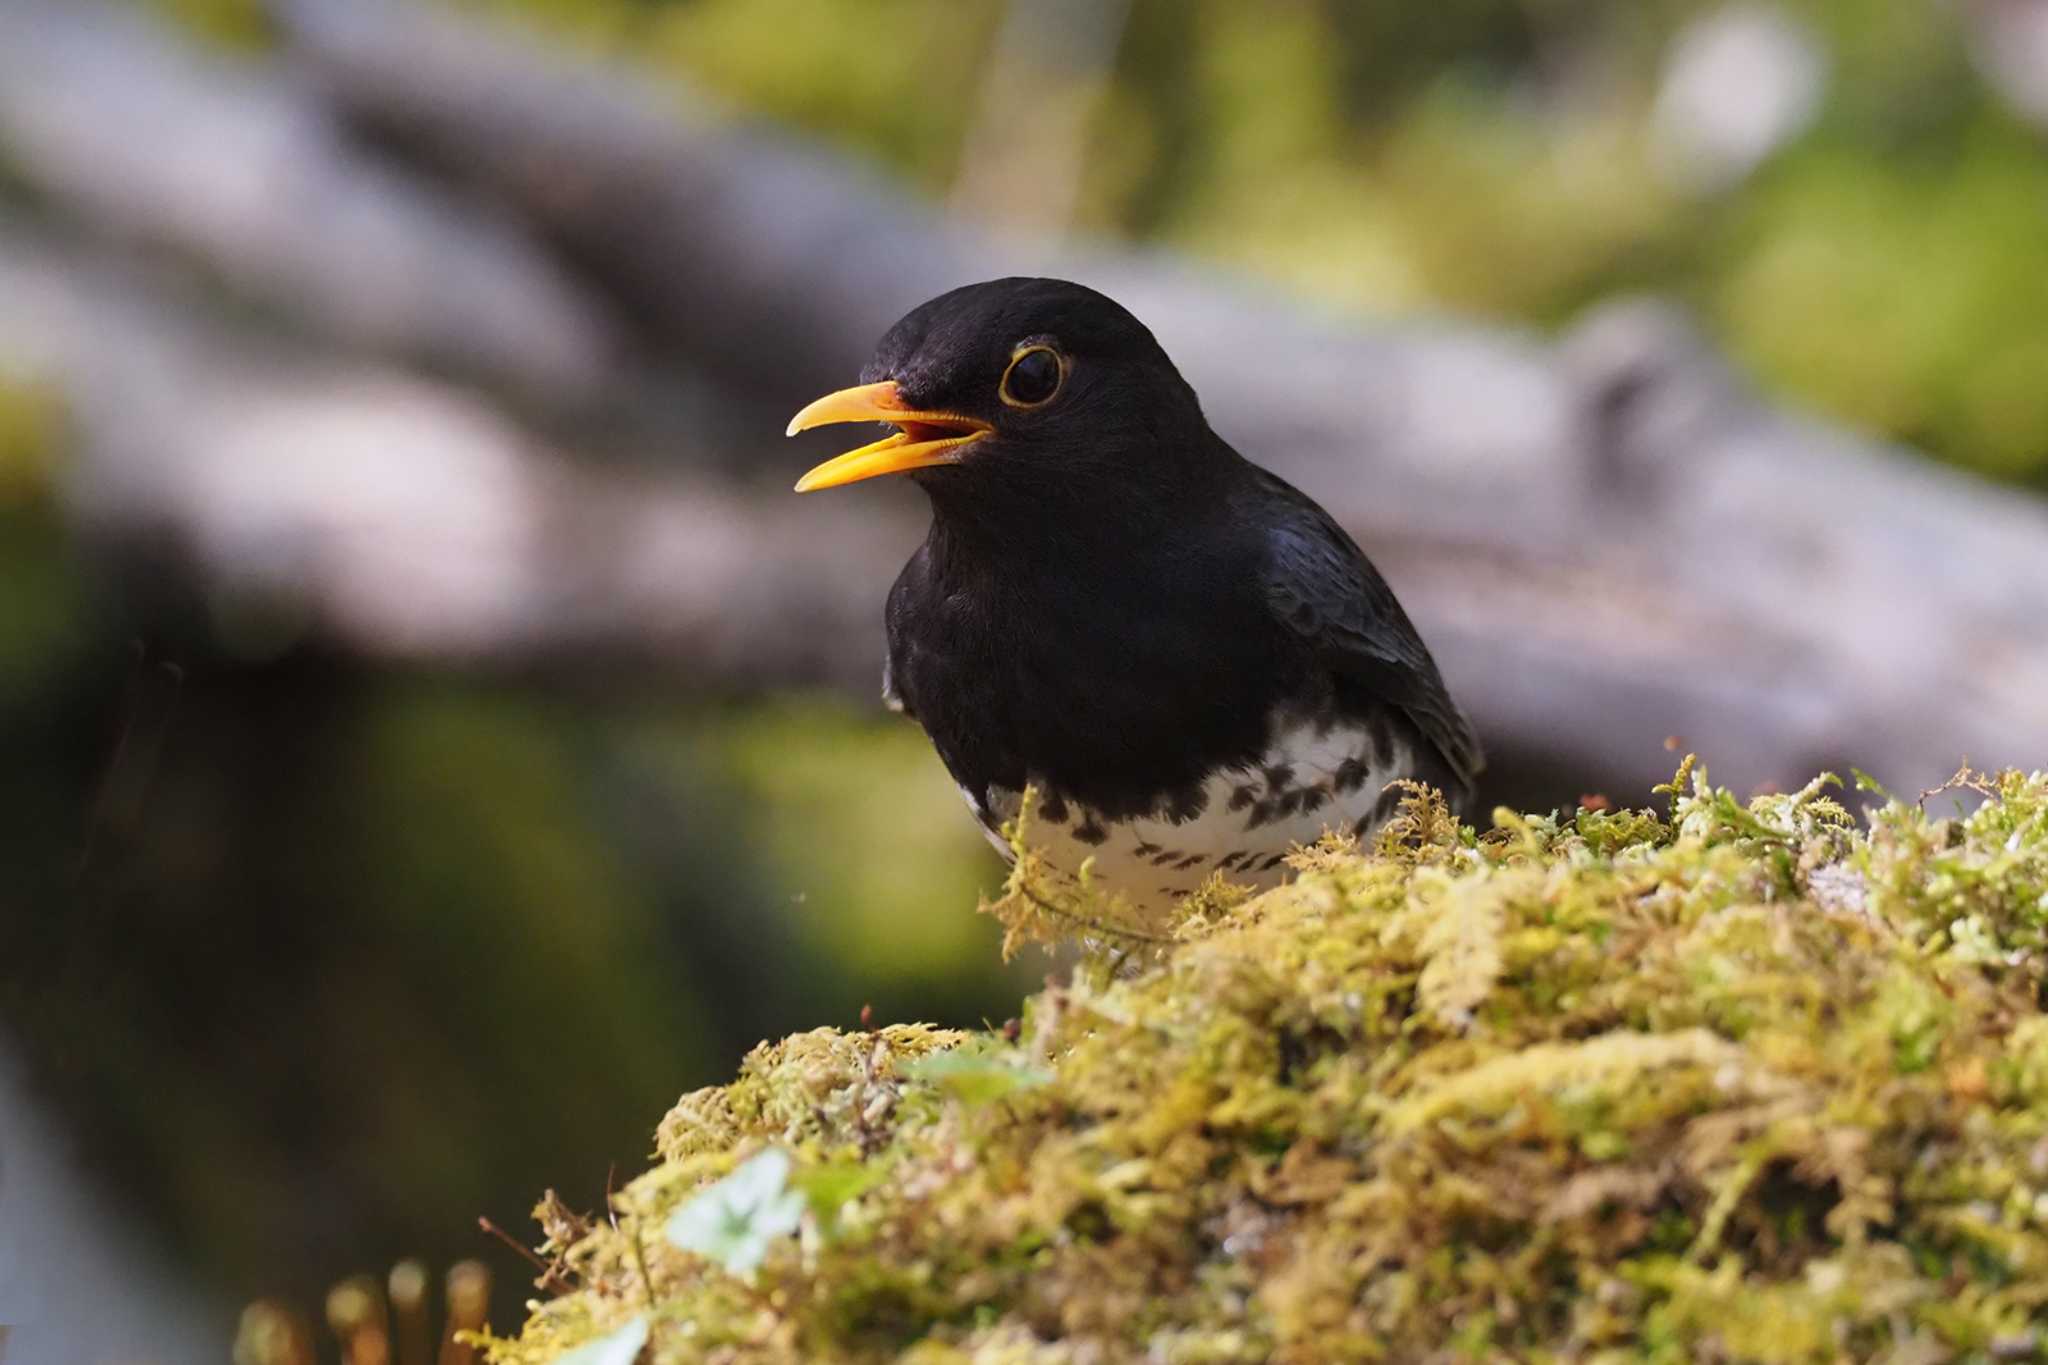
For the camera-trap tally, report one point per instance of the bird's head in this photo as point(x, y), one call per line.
point(1015, 383)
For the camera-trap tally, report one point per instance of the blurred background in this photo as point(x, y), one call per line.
point(434, 738)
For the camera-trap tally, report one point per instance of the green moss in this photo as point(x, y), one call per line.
point(1725, 1081)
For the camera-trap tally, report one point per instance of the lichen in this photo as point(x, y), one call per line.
point(1720, 1080)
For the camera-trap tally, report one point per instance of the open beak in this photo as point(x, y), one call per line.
point(922, 439)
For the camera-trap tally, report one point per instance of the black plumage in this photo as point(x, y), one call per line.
point(1116, 606)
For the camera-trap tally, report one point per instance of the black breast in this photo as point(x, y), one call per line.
point(1117, 684)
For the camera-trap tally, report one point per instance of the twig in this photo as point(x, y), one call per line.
point(549, 1277)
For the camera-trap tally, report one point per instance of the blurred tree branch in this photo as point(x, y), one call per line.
point(240, 168)
point(406, 517)
point(1607, 539)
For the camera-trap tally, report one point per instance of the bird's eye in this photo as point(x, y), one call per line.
point(1033, 377)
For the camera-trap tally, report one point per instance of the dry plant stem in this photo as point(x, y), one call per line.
point(549, 1279)
point(411, 1329)
point(469, 1307)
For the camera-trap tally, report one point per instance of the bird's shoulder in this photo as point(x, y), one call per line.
point(899, 606)
point(892, 697)
point(1318, 582)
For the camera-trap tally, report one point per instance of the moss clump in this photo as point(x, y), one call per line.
point(1724, 1081)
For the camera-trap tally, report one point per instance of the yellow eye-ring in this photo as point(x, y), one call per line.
point(1033, 377)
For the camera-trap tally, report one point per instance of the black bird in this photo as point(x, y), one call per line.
point(1188, 658)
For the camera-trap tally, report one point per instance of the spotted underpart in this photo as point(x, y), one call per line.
point(1240, 822)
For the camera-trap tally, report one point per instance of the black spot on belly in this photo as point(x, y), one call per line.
point(1144, 848)
point(1054, 808)
point(1312, 798)
point(1089, 831)
point(1279, 777)
point(1380, 740)
point(1187, 803)
point(1163, 857)
point(1350, 775)
point(1261, 813)
point(1242, 795)
point(1272, 862)
point(1231, 861)
point(1185, 863)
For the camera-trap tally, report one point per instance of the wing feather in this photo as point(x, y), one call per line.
point(1321, 584)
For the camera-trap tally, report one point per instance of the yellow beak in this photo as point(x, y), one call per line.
point(923, 439)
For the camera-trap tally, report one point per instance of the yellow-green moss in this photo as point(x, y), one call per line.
point(1721, 1081)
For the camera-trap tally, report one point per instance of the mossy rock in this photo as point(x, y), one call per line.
point(1725, 1081)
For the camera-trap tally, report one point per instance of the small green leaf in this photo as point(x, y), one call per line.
point(734, 1221)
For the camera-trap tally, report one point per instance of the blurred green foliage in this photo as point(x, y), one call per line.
point(1488, 156)
point(864, 815)
point(1909, 304)
point(234, 23)
point(40, 627)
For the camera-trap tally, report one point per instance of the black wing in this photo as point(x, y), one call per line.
point(1320, 583)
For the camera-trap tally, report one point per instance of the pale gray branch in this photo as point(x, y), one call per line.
point(237, 166)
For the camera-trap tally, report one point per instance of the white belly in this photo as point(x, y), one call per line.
point(1311, 780)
